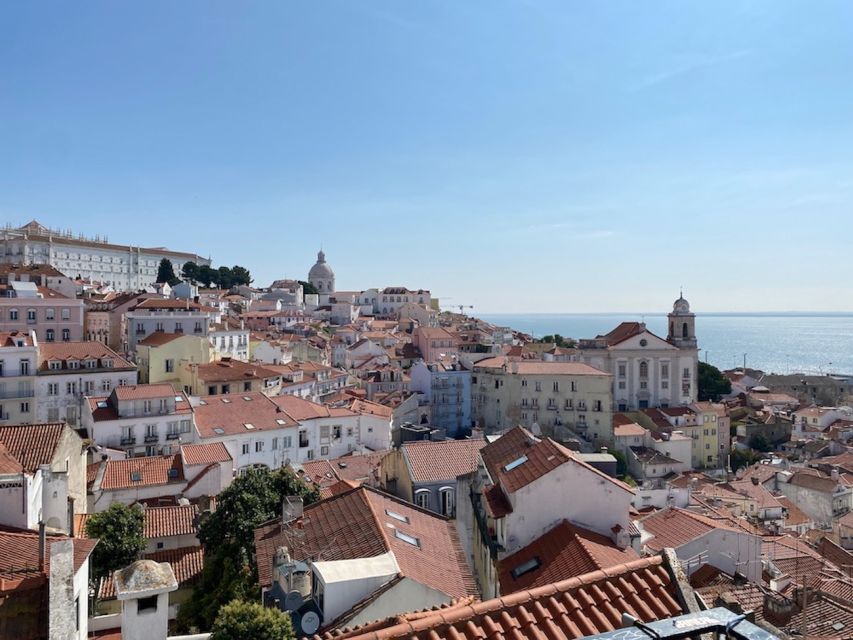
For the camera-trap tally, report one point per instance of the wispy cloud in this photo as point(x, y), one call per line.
point(697, 63)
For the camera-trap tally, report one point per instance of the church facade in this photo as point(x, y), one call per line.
point(649, 371)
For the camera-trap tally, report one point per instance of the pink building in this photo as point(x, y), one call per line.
point(435, 342)
point(24, 306)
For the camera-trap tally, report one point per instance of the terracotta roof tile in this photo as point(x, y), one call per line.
point(32, 445)
point(144, 391)
point(150, 471)
point(164, 522)
point(8, 463)
point(540, 367)
point(674, 527)
point(228, 414)
point(563, 552)
point(228, 370)
point(187, 564)
point(445, 460)
point(159, 338)
point(19, 556)
point(355, 525)
point(573, 608)
point(205, 453)
point(85, 350)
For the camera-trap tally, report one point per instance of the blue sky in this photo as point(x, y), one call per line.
point(516, 156)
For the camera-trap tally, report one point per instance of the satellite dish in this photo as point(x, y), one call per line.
point(310, 623)
point(292, 601)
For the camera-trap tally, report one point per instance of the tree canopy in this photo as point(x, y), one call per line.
point(166, 272)
point(120, 531)
point(558, 340)
point(713, 385)
point(227, 536)
point(307, 287)
point(222, 277)
point(239, 620)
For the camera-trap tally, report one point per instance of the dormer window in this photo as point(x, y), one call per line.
point(54, 365)
point(73, 364)
point(107, 363)
point(90, 364)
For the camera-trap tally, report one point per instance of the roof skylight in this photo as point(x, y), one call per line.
point(405, 537)
point(397, 516)
point(525, 567)
point(515, 463)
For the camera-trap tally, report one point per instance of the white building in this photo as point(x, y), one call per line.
point(648, 371)
point(68, 371)
point(124, 267)
point(170, 316)
point(322, 277)
point(272, 432)
point(229, 341)
point(144, 420)
point(18, 361)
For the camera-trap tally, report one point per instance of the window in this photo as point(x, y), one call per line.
point(644, 369)
point(53, 415)
point(259, 446)
point(556, 386)
point(106, 385)
point(185, 426)
point(179, 328)
point(574, 386)
point(621, 384)
point(448, 502)
point(664, 370)
point(397, 516)
point(52, 389)
point(245, 448)
point(158, 326)
point(538, 385)
point(247, 386)
point(66, 335)
point(66, 314)
point(686, 373)
point(286, 442)
point(525, 567)
point(422, 498)
point(49, 335)
point(71, 388)
point(25, 407)
point(49, 314)
point(170, 365)
point(146, 406)
point(13, 314)
point(621, 370)
point(275, 444)
point(31, 315)
point(25, 367)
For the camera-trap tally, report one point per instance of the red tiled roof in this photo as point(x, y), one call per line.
point(622, 332)
point(813, 482)
point(8, 463)
point(159, 338)
point(152, 470)
point(187, 564)
point(354, 469)
point(32, 445)
point(674, 527)
point(164, 522)
point(496, 503)
point(365, 406)
point(440, 461)
point(11, 338)
point(232, 412)
point(563, 552)
point(144, 391)
point(205, 453)
point(85, 350)
point(227, 370)
point(300, 409)
point(584, 605)
point(355, 525)
point(19, 552)
point(542, 456)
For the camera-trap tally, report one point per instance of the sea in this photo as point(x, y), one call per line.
point(814, 343)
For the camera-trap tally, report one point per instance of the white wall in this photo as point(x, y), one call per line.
point(728, 551)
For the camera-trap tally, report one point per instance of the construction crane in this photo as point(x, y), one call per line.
point(463, 306)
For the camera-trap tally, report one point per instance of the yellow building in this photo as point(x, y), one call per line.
point(162, 356)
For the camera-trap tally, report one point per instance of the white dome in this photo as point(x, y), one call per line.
point(321, 270)
point(681, 305)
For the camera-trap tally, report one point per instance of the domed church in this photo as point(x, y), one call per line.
point(321, 275)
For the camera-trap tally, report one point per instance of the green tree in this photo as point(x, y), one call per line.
point(307, 287)
point(621, 462)
point(759, 443)
point(240, 275)
point(226, 280)
point(166, 272)
point(239, 620)
point(227, 536)
point(120, 531)
point(207, 276)
point(190, 271)
point(740, 458)
point(713, 385)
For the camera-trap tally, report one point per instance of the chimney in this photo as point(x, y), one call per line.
point(755, 480)
point(778, 610)
point(42, 544)
point(603, 449)
point(834, 474)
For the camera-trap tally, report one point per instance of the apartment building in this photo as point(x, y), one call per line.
point(18, 358)
point(543, 395)
point(25, 306)
point(170, 316)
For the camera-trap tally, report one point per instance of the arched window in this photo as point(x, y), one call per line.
point(685, 332)
point(448, 501)
point(422, 498)
point(644, 369)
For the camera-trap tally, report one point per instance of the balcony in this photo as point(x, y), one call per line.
point(128, 441)
point(173, 436)
point(16, 393)
point(151, 437)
